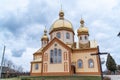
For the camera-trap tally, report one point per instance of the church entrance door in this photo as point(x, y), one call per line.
point(73, 69)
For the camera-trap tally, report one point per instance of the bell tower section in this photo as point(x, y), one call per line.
point(83, 35)
point(44, 39)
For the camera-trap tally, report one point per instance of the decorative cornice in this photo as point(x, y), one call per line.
point(62, 28)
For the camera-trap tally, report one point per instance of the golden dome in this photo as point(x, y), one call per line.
point(45, 37)
point(82, 30)
point(61, 24)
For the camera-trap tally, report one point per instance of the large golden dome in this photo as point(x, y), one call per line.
point(61, 24)
point(82, 30)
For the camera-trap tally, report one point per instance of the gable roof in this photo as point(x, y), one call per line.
point(38, 51)
point(53, 41)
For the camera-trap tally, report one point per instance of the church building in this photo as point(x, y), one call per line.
point(61, 55)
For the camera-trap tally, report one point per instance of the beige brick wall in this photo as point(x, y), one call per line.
point(85, 56)
point(58, 67)
point(63, 36)
point(33, 68)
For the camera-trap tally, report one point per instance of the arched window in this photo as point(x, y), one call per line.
point(45, 67)
point(80, 63)
point(56, 56)
point(67, 35)
point(44, 42)
point(59, 55)
point(80, 38)
point(58, 35)
point(45, 56)
point(65, 66)
point(65, 56)
point(85, 37)
point(36, 66)
point(51, 56)
point(90, 63)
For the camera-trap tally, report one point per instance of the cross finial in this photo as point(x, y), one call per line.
point(61, 13)
point(45, 31)
point(61, 6)
point(82, 22)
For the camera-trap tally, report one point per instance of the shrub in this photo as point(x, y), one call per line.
point(106, 78)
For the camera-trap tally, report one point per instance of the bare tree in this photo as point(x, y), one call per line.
point(20, 69)
point(9, 64)
point(12, 69)
point(5, 62)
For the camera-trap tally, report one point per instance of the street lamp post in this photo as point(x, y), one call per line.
point(98, 54)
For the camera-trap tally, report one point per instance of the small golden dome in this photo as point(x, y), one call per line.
point(61, 24)
point(82, 30)
point(45, 37)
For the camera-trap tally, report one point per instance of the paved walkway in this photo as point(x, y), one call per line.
point(114, 77)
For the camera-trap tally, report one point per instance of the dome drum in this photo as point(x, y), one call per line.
point(61, 28)
point(83, 33)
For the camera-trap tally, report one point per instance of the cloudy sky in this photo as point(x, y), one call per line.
point(22, 24)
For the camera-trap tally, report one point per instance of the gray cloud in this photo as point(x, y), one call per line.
point(18, 53)
point(15, 21)
point(23, 26)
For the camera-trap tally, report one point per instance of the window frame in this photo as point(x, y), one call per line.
point(36, 66)
point(58, 35)
point(51, 56)
point(67, 35)
point(86, 38)
point(80, 37)
point(55, 56)
point(59, 56)
point(78, 62)
point(89, 63)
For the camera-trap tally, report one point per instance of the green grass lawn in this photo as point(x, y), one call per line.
point(62, 78)
point(11, 79)
point(55, 78)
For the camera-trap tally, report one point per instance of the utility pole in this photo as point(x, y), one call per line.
point(98, 54)
point(2, 62)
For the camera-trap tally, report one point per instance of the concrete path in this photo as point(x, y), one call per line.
point(114, 77)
